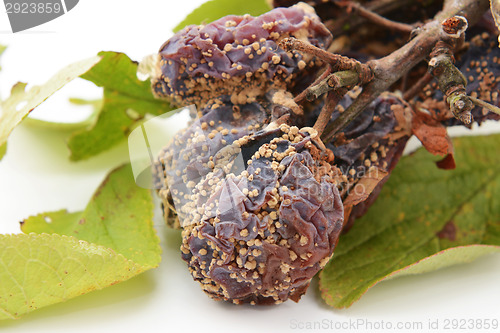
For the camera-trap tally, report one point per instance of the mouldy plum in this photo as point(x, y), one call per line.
point(193, 150)
point(264, 232)
point(372, 146)
point(370, 138)
point(369, 147)
point(191, 154)
point(258, 232)
point(238, 56)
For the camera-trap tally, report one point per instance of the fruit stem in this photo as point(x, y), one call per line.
point(300, 97)
point(375, 18)
point(348, 115)
point(417, 87)
point(332, 82)
point(336, 61)
point(486, 105)
point(332, 99)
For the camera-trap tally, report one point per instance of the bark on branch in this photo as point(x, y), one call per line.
point(391, 68)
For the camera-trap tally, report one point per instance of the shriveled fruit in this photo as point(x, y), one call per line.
point(368, 149)
point(368, 139)
point(260, 229)
point(238, 56)
point(191, 155)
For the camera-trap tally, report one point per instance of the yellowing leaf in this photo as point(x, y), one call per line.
point(40, 270)
point(215, 9)
point(3, 150)
point(64, 255)
point(2, 49)
point(445, 258)
point(70, 127)
point(20, 103)
point(425, 218)
point(119, 216)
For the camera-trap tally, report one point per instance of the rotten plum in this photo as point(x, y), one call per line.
point(258, 230)
point(238, 56)
point(366, 140)
point(368, 149)
point(191, 154)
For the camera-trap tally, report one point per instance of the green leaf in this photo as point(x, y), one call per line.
point(215, 9)
point(40, 270)
point(125, 104)
point(70, 127)
point(445, 258)
point(20, 103)
point(425, 218)
point(119, 216)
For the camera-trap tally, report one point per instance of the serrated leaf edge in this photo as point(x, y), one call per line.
point(95, 249)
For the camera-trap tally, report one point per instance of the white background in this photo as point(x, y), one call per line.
point(36, 176)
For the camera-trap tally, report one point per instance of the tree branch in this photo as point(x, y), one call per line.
point(376, 18)
point(332, 99)
point(333, 81)
point(300, 97)
point(389, 69)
